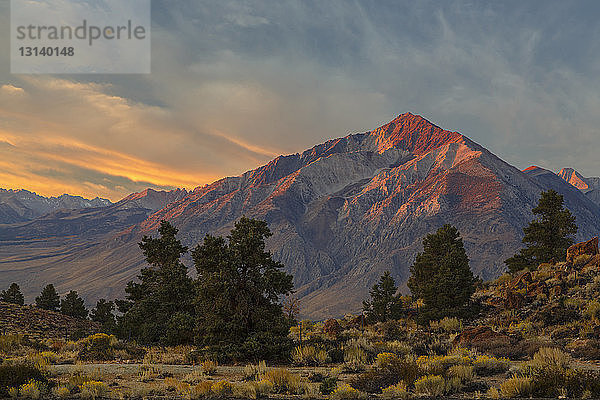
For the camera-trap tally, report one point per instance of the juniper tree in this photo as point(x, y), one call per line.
point(103, 314)
point(384, 303)
point(548, 236)
point(441, 275)
point(238, 290)
point(12, 295)
point(73, 306)
point(163, 297)
point(48, 299)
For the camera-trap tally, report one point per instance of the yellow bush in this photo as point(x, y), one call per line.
point(32, 389)
point(93, 389)
point(430, 385)
point(516, 387)
point(61, 392)
point(486, 365)
point(222, 388)
point(203, 389)
point(551, 358)
point(283, 380)
point(384, 360)
point(465, 373)
point(397, 391)
point(347, 392)
point(9, 343)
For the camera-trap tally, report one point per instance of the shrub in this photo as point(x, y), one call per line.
point(193, 377)
point(450, 325)
point(347, 392)
point(262, 388)
point(93, 389)
point(283, 380)
point(252, 371)
point(328, 385)
point(392, 370)
point(33, 389)
point(202, 389)
point(550, 358)
point(310, 355)
point(209, 367)
point(10, 343)
point(437, 365)
point(581, 260)
point(430, 385)
point(222, 388)
point(592, 310)
point(14, 375)
point(486, 365)
point(97, 347)
point(62, 392)
point(465, 373)
point(516, 387)
point(397, 347)
point(397, 391)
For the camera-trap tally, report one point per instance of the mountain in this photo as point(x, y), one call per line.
point(341, 213)
point(23, 205)
point(589, 186)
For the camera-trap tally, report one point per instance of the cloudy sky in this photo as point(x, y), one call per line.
point(234, 84)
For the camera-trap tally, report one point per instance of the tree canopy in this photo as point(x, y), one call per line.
point(73, 305)
point(384, 303)
point(163, 296)
point(48, 299)
point(441, 275)
point(548, 236)
point(239, 286)
point(13, 295)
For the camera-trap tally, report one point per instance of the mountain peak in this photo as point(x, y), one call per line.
point(413, 133)
point(574, 178)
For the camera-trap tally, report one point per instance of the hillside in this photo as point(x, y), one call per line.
point(36, 323)
point(341, 213)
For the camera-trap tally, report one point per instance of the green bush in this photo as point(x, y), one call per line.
point(328, 385)
point(17, 374)
point(486, 365)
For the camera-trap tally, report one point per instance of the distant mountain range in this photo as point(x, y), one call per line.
point(23, 205)
point(589, 186)
point(341, 213)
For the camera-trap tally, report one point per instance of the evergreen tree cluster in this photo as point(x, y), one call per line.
point(231, 309)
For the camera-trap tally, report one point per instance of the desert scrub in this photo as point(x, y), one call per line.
point(437, 365)
point(388, 370)
point(61, 392)
point(397, 391)
point(486, 365)
point(517, 386)
point(581, 260)
point(592, 310)
point(310, 355)
point(465, 373)
point(93, 389)
point(397, 347)
point(448, 325)
point(209, 367)
point(283, 380)
point(253, 371)
point(430, 385)
point(147, 373)
point(222, 389)
point(347, 392)
point(358, 353)
point(10, 343)
point(328, 385)
point(194, 377)
point(15, 374)
point(33, 389)
point(97, 347)
point(550, 358)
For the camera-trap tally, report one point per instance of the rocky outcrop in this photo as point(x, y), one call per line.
point(36, 323)
point(588, 248)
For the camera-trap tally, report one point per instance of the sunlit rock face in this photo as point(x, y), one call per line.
point(345, 211)
point(589, 186)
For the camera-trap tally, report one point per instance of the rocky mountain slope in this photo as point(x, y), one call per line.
point(23, 205)
point(589, 186)
point(343, 212)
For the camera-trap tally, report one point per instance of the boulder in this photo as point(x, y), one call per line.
point(590, 247)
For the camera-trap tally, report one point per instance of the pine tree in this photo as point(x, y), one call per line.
point(73, 306)
point(384, 303)
point(13, 295)
point(103, 314)
point(548, 236)
point(441, 275)
point(48, 299)
point(164, 295)
point(239, 287)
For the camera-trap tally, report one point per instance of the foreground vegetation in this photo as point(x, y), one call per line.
point(533, 332)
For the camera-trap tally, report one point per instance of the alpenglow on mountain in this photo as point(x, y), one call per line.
point(343, 212)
